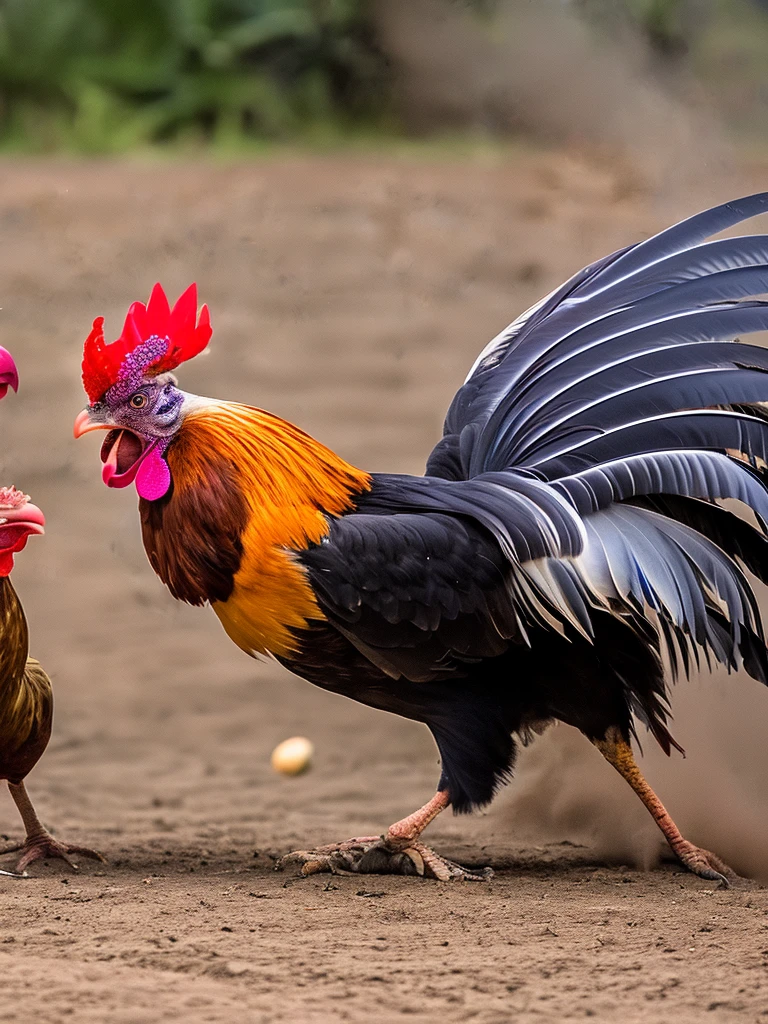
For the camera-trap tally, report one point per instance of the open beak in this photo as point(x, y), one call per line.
point(122, 452)
point(18, 522)
point(27, 515)
point(9, 375)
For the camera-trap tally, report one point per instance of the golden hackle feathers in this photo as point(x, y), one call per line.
point(288, 483)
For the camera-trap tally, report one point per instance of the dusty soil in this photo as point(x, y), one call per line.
point(349, 296)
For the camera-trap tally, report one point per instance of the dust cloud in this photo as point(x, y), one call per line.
point(534, 67)
point(717, 794)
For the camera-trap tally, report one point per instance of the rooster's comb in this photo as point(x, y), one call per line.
point(155, 339)
point(11, 498)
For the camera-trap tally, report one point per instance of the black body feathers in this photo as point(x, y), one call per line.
point(569, 529)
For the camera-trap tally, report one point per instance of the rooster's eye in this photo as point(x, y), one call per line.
point(138, 401)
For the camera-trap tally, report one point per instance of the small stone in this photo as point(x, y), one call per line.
point(237, 967)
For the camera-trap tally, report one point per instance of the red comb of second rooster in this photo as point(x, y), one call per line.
point(185, 336)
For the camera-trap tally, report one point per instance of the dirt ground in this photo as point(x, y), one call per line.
point(350, 296)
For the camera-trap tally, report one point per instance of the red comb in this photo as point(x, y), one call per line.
point(106, 365)
point(11, 498)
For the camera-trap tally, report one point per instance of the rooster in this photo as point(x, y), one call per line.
point(26, 700)
point(568, 533)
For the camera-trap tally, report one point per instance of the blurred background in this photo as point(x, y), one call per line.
point(93, 76)
point(366, 191)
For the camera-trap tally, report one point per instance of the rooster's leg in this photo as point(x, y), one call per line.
point(618, 752)
point(399, 851)
point(39, 844)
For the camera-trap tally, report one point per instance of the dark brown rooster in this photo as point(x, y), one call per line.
point(569, 529)
point(26, 699)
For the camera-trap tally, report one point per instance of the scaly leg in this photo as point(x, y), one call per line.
point(39, 843)
point(618, 752)
point(398, 852)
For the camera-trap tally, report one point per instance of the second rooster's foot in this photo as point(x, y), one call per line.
point(45, 847)
point(373, 855)
point(706, 865)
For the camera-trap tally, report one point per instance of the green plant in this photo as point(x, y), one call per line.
point(104, 75)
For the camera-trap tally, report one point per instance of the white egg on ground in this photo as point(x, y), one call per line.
point(292, 756)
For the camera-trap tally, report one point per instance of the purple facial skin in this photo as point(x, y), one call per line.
point(148, 407)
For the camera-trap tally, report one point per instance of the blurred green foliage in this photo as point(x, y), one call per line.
point(104, 76)
point(110, 75)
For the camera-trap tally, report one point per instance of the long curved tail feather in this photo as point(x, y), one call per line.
point(627, 395)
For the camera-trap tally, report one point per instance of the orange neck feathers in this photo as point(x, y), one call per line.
point(283, 471)
point(248, 489)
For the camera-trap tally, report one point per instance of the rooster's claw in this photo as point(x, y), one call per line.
point(45, 847)
point(373, 855)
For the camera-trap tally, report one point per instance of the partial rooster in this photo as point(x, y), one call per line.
point(26, 699)
point(567, 533)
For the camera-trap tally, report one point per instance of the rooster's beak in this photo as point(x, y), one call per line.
point(9, 375)
point(28, 514)
point(84, 424)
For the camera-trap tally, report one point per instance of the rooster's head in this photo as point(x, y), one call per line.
point(19, 519)
point(9, 376)
point(132, 393)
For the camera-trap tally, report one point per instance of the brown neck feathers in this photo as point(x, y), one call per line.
point(240, 476)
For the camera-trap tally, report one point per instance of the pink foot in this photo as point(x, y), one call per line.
point(705, 864)
point(45, 847)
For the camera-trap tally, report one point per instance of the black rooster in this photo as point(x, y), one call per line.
point(566, 534)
